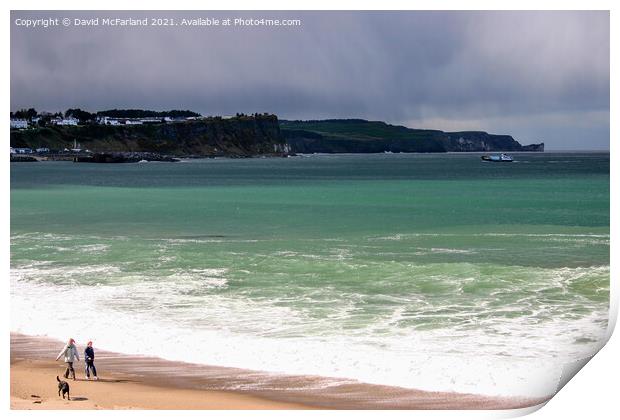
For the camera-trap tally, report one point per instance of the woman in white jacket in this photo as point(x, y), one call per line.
point(70, 353)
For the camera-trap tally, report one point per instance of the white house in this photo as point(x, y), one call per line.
point(66, 121)
point(150, 120)
point(108, 121)
point(19, 124)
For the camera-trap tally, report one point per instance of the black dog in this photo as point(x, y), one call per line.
point(64, 387)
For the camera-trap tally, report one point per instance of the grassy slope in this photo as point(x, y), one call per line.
point(356, 135)
point(364, 136)
point(361, 129)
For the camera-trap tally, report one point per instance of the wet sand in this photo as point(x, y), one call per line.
point(139, 382)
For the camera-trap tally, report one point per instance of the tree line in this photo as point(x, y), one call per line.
point(85, 116)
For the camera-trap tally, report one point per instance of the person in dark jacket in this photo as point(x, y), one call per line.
point(89, 360)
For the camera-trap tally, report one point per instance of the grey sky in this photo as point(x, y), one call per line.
point(540, 76)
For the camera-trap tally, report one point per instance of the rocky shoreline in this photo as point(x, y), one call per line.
point(125, 157)
point(18, 158)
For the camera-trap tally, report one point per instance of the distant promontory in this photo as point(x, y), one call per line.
point(362, 136)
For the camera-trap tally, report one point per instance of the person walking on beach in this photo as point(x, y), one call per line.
point(69, 351)
point(89, 359)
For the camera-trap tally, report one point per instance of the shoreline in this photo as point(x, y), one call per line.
point(130, 381)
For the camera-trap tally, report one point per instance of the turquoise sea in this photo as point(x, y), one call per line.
point(438, 271)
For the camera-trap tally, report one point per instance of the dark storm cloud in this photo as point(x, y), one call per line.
point(543, 76)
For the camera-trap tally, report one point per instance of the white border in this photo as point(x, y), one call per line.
point(592, 393)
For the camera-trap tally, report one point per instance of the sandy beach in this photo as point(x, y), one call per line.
point(137, 382)
point(33, 387)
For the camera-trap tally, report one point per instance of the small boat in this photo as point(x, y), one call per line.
point(497, 158)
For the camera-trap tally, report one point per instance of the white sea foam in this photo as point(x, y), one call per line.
point(62, 274)
point(402, 236)
point(450, 251)
point(172, 318)
point(177, 241)
point(93, 248)
point(57, 237)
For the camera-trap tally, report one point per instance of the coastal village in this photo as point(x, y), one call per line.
point(137, 135)
point(29, 119)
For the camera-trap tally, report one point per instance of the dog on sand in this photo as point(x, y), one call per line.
point(64, 388)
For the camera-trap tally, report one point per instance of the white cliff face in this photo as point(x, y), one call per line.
point(282, 148)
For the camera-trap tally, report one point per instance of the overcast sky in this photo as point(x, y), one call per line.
point(539, 76)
